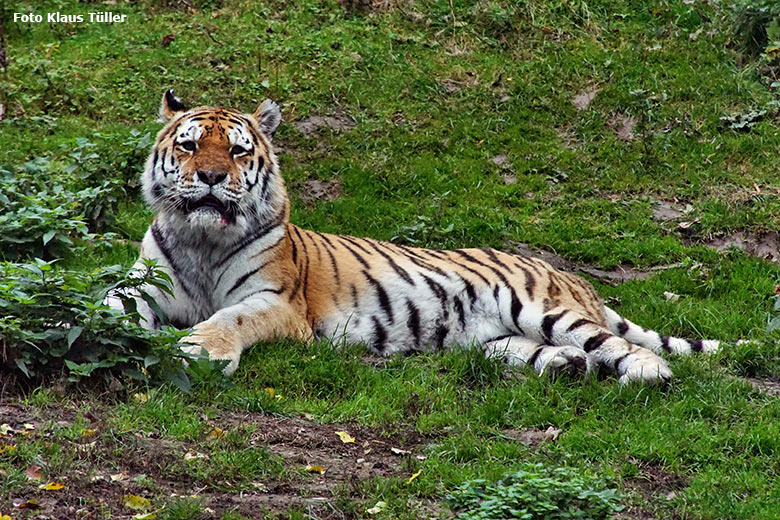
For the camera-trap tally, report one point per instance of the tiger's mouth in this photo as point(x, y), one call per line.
point(212, 203)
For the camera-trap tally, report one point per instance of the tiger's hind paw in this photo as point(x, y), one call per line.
point(563, 360)
point(644, 367)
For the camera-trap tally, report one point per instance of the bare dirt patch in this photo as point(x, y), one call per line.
point(316, 190)
point(653, 483)
point(506, 169)
point(102, 468)
point(532, 436)
point(766, 386)
point(764, 245)
point(664, 211)
point(338, 122)
point(619, 274)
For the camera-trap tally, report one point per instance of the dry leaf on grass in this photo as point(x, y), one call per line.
point(29, 504)
point(345, 437)
point(190, 455)
point(52, 486)
point(584, 98)
point(315, 469)
point(417, 474)
point(118, 477)
point(33, 472)
point(378, 508)
point(136, 503)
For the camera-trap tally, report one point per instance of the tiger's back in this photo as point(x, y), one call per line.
point(242, 273)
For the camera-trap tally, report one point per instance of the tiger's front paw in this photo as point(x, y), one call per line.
point(643, 366)
point(218, 347)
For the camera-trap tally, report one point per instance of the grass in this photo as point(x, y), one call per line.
point(433, 103)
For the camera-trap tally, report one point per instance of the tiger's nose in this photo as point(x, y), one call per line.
point(211, 177)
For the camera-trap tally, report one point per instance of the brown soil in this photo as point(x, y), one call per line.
point(315, 190)
point(655, 485)
point(619, 274)
point(769, 387)
point(764, 245)
point(338, 122)
point(109, 466)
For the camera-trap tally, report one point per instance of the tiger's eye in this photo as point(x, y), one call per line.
point(188, 145)
point(237, 150)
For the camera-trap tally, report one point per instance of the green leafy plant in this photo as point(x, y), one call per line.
point(536, 492)
point(40, 216)
point(756, 26)
point(54, 321)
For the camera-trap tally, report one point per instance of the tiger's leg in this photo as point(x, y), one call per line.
point(561, 326)
point(518, 351)
point(656, 342)
point(231, 330)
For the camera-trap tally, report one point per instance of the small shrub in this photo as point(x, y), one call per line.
point(756, 24)
point(54, 321)
point(44, 218)
point(536, 492)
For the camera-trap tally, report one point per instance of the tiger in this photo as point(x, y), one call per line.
point(242, 273)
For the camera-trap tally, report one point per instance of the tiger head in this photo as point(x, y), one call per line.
point(213, 170)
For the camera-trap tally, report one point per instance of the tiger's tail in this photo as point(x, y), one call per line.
point(654, 341)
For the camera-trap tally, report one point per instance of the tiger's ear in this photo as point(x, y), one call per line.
point(170, 106)
point(269, 115)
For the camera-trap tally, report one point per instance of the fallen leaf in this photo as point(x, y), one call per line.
point(399, 451)
point(136, 503)
point(146, 516)
point(552, 433)
point(8, 448)
point(30, 504)
point(270, 391)
point(5, 429)
point(623, 125)
point(190, 456)
point(33, 472)
point(216, 433)
point(88, 432)
point(314, 469)
point(140, 397)
point(260, 486)
point(413, 477)
point(29, 426)
point(168, 39)
point(584, 98)
point(345, 437)
point(52, 486)
point(671, 297)
point(687, 224)
point(118, 477)
point(500, 159)
point(5, 517)
point(378, 508)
